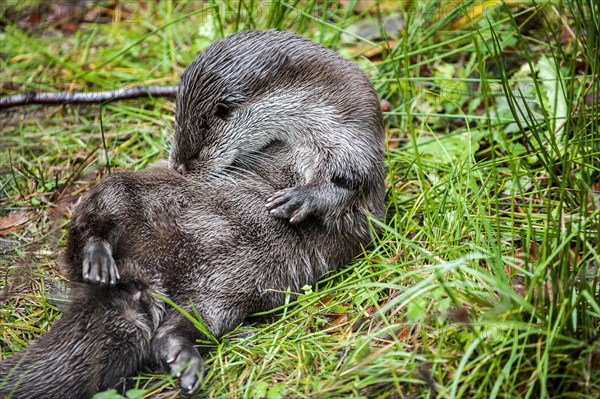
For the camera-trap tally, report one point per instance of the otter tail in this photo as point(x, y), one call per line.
point(102, 338)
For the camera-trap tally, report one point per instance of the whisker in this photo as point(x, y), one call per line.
point(241, 174)
point(221, 176)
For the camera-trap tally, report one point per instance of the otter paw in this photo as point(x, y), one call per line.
point(98, 264)
point(187, 365)
point(295, 204)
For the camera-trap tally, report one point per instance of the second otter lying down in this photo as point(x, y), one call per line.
point(211, 246)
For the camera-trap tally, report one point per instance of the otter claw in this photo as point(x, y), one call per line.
point(187, 365)
point(294, 204)
point(98, 264)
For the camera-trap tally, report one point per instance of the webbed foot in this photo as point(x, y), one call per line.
point(98, 264)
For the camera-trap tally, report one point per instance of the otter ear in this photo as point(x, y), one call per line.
point(223, 110)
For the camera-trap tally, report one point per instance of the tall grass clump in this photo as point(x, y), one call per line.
point(484, 279)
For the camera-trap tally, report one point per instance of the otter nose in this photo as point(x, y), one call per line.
point(178, 167)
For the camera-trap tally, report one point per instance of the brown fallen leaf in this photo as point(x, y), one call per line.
point(404, 332)
point(12, 223)
point(335, 326)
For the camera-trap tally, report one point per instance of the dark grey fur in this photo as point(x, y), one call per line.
point(257, 87)
point(205, 238)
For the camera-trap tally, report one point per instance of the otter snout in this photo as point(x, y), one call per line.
point(178, 167)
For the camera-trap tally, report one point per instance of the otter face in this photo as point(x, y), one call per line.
point(204, 118)
point(199, 146)
point(218, 113)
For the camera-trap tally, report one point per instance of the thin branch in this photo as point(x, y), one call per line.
point(86, 98)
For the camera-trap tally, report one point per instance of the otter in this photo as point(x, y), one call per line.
point(198, 232)
point(257, 87)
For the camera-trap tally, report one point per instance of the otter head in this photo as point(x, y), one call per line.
point(206, 105)
point(220, 112)
point(200, 145)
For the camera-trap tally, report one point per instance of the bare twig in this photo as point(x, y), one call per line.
point(87, 98)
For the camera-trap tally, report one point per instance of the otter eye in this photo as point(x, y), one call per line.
point(223, 111)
